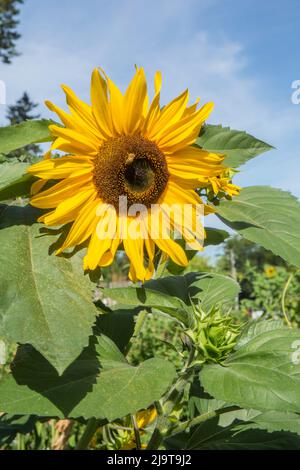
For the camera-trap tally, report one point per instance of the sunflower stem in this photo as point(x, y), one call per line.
point(202, 418)
point(92, 425)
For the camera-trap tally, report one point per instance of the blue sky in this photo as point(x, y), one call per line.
point(241, 54)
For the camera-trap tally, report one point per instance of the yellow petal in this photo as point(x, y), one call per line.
point(100, 105)
point(184, 132)
point(100, 243)
point(69, 208)
point(116, 105)
point(59, 168)
point(170, 114)
point(194, 165)
point(174, 250)
point(83, 225)
point(157, 82)
point(80, 108)
point(73, 148)
point(80, 140)
point(134, 102)
point(37, 186)
point(60, 191)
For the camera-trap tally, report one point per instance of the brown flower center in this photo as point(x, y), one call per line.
point(130, 166)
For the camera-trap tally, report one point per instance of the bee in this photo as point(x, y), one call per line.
point(129, 158)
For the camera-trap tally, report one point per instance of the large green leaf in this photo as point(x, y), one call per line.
point(263, 374)
point(275, 421)
point(117, 325)
point(44, 301)
point(14, 181)
point(212, 289)
point(211, 436)
point(267, 216)
point(28, 132)
point(173, 294)
point(100, 383)
point(238, 146)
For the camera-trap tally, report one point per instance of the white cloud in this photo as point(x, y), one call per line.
point(63, 43)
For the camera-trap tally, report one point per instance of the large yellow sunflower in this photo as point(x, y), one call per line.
point(119, 146)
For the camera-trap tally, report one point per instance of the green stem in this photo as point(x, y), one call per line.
point(202, 418)
point(136, 432)
point(283, 299)
point(157, 435)
point(91, 427)
point(160, 268)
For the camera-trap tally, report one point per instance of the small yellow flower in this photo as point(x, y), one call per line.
point(270, 271)
point(122, 146)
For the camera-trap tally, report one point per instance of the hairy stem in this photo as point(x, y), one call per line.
point(202, 418)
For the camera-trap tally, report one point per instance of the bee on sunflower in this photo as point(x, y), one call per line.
point(123, 146)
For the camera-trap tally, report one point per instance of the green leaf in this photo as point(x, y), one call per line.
point(20, 135)
point(267, 216)
point(147, 297)
point(100, 383)
point(211, 436)
point(238, 146)
point(263, 374)
point(275, 421)
point(200, 402)
point(117, 325)
point(14, 181)
point(213, 289)
point(44, 301)
point(173, 294)
point(257, 327)
point(215, 236)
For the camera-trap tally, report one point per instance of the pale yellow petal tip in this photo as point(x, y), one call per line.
point(210, 105)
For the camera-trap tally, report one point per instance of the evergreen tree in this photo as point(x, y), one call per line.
point(8, 33)
point(17, 113)
point(21, 111)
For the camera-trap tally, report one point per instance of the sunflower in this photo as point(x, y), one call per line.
point(270, 271)
point(122, 146)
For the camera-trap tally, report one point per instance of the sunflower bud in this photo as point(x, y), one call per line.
point(214, 335)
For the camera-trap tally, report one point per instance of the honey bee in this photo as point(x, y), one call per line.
point(129, 158)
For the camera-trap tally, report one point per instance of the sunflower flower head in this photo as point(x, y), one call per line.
point(126, 159)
